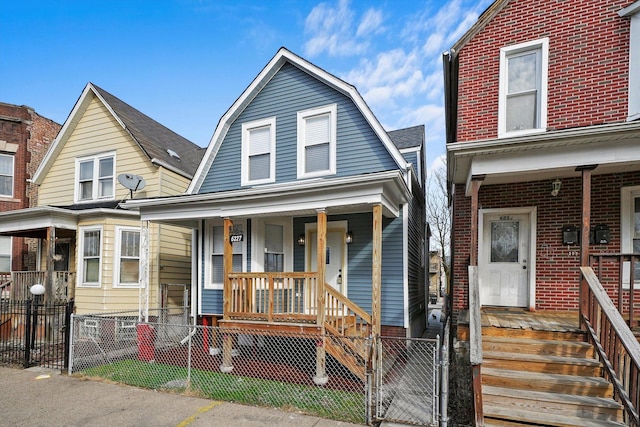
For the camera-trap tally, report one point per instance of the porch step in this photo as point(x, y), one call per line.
point(540, 418)
point(567, 405)
point(542, 363)
point(526, 333)
point(347, 357)
point(552, 383)
point(538, 346)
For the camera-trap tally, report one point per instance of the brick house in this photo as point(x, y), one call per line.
point(542, 105)
point(25, 137)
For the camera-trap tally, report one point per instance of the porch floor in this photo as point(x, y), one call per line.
point(521, 318)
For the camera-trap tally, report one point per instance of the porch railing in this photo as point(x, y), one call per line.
point(618, 274)
point(21, 282)
point(617, 347)
point(272, 297)
point(344, 317)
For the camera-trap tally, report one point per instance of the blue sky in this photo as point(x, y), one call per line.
point(184, 62)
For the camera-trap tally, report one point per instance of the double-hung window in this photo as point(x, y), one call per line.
point(317, 141)
point(90, 256)
point(259, 152)
point(5, 253)
point(522, 106)
point(6, 175)
point(127, 261)
point(95, 177)
point(630, 232)
point(633, 13)
point(217, 255)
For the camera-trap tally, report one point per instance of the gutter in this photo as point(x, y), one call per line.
point(166, 165)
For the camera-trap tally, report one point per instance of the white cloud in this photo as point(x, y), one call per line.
point(371, 23)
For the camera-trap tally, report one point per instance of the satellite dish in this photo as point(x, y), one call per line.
point(132, 182)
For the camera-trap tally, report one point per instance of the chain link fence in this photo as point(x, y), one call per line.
point(396, 381)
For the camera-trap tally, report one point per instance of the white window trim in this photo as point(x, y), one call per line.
point(116, 258)
point(246, 132)
point(208, 235)
point(76, 182)
point(332, 110)
point(543, 45)
point(13, 175)
point(627, 194)
point(634, 69)
point(10, 253)
point(81, 282)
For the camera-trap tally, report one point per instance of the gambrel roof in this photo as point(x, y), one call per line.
point(282, 57)
point(408, 137)
point(160, 144)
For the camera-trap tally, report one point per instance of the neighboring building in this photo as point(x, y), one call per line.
point(25, 137)
point(436, 279)
point(543, 144)
point(318, 199)
point(90, 248)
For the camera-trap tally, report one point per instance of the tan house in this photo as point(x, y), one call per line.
point(105, 153)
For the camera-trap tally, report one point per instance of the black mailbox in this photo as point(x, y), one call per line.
point(570, 235)
point(601, 234)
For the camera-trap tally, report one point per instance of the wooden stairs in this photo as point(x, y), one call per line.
point(544, 378)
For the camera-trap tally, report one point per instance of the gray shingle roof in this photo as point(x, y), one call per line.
point(408, 137)
point(154, 138)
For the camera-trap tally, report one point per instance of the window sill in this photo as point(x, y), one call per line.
point(521, 133)
point(9, 199)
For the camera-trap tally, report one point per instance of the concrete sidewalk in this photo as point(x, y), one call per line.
point(37, 397)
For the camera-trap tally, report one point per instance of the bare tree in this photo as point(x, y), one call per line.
point(439, 213)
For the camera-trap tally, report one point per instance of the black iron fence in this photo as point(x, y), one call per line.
point(35, 334)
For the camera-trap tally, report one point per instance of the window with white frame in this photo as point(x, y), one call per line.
point(259, 151)
point(127, 260)
point(6, 175)
point(522, 106)
point(633, 13)
point(90, 256)
point(95, 177)
point(273, 247)
point(630, 232)
point(317, 129)
point(5, 253)
point(217, 255)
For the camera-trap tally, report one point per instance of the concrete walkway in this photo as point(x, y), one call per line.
point(38, 397)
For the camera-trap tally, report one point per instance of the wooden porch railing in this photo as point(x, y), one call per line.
point(617, 347)
point(21, 282)
point(616, 272)
point(273, 297)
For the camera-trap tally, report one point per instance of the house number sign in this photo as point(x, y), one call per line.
point(236, 238)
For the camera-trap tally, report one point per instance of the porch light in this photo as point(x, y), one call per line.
point(555, 185)
point(37, 289)
point(349, 238)
point(301, 240)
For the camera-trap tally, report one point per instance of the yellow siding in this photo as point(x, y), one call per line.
point(172, 183)
point(175, 255)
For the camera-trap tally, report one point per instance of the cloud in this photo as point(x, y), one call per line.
point(335, 30)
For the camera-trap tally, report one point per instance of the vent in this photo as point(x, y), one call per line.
point(173, 153)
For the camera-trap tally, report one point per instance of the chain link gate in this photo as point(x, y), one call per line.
point(406, 381)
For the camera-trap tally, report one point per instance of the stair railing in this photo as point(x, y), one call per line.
point(616, 345)
point(345, 317)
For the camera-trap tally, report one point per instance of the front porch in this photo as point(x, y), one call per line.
point(15, 285)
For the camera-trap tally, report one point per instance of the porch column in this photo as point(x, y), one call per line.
point(143, 272)
point(586, 227)
point(376, 270)
point(51, 249)
point(227, 267)
point(321, 377)
point(476, 181)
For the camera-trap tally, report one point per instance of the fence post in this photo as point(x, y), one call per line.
point(27, 334)
point(444, 386)
point(67, 331)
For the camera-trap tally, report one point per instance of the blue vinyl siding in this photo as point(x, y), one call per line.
point(416, 267)
point(359, 263)
point(359, 150)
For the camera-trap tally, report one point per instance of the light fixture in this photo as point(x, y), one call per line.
point(349, 238)
point(37, 289)
point(555, 185)
point(301, 240)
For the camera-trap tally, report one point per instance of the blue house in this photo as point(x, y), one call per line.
point(308, 214)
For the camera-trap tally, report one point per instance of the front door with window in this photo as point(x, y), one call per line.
point(335, 258)
point(503, 261)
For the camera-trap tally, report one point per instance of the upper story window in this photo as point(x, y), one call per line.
point(127, 260)
point(95, 177)
point(317, 141)
point(259, 151)
point(633, 12)
point(6, 175)
point(522, 106)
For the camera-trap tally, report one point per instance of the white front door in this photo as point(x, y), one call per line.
point(334, 273)
point(503, 260)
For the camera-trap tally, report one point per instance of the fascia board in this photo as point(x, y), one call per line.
point(632, 9)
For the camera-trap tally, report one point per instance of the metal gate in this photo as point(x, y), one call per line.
point(34, 334)
point(406, 385)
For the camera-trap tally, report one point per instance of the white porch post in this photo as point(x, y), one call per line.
point(321, 377)
point(143, 288)
point(51, 252)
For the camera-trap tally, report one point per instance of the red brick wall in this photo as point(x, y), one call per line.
point(557, 266)
point(33, 134)
point(588, 63)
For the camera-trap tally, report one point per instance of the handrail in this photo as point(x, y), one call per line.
point(475, 343)
point(352, 306)
point(617, 346)
point(624, 272)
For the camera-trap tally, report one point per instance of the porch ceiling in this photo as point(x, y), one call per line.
point(336, 196)
point(613, 148)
